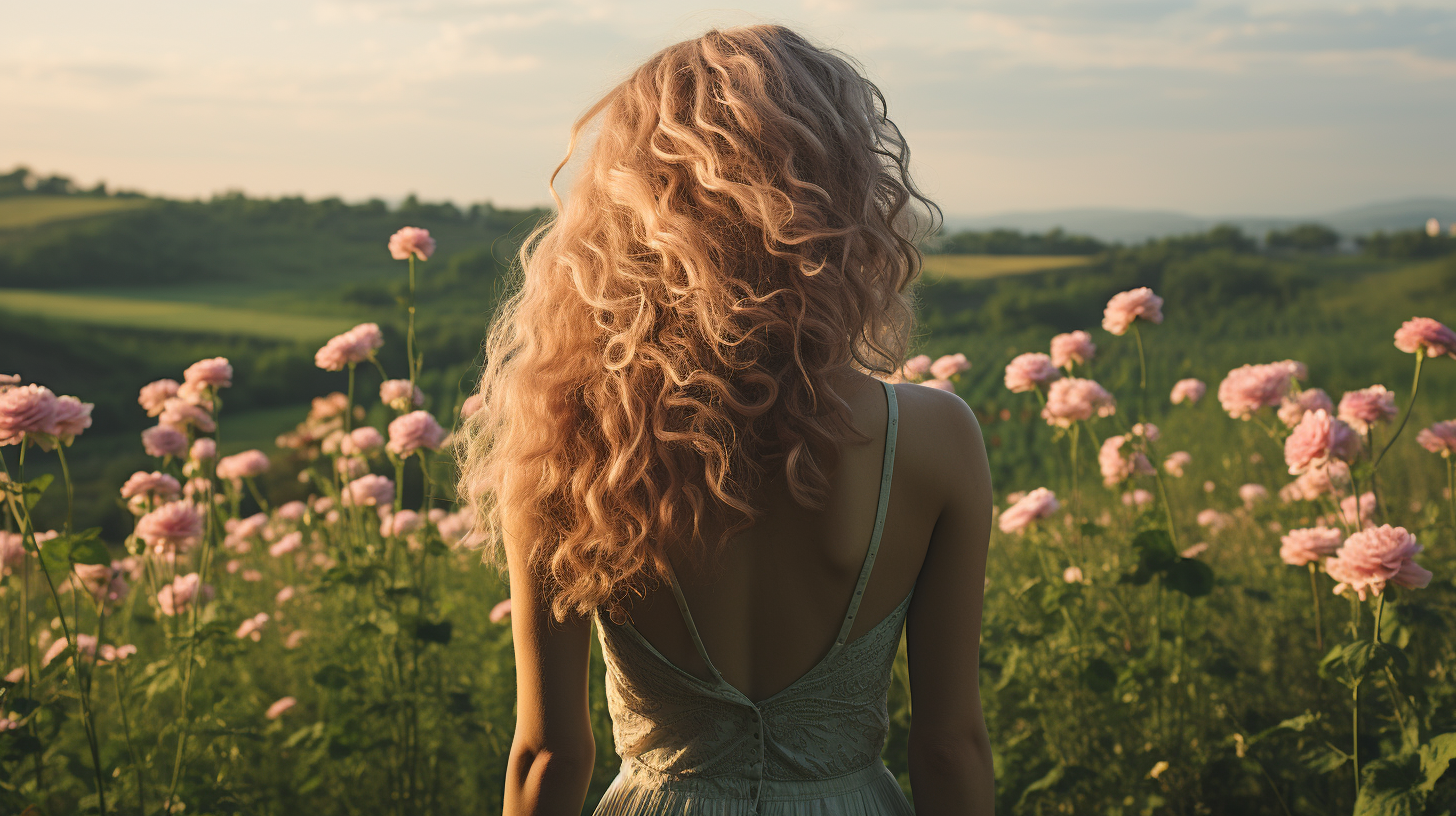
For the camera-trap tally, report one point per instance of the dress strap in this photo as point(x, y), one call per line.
point(682, 605)
point(887, 469)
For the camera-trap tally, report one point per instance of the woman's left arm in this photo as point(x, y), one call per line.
point(553, 751)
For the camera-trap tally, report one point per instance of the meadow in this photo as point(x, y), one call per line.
point(260, 608)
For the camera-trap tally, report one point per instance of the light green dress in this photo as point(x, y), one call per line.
point(691, 746)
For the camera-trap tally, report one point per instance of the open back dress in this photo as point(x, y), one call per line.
point(693, 747)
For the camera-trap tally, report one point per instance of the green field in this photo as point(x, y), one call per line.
point(975, 267)
point(196, 318)
point(32, 211)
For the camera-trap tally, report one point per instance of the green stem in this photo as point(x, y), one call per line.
point(410, 336)
point(1142, 374)
point(136, 762)
point(70, 490)
point(1451, 487)
point(349, 408)
point(1319, 638)
point(257, 497)
point(1409, 406)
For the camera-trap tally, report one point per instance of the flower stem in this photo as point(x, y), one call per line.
point(1409, 406)
point(70, 490)
point(1142, 374)
point(349, 408)
point(409, 340)
point(1319, 638)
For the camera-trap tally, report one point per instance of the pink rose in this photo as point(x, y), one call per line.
point(12, 551)
point(295, 637)
point(284, 595)
point(353, 346)
point(401, 395)
point(1118, 465)
point(916, 367)
point(1318, 439)
point(281, 705)
point(8, 381)
point(1190, 390)
point(471, 405)
point(1072, 399)
point(287, 544)
point(453, 527)
point(253, 627)
point(1196, 550)
point(1072, 575)
point(292, 511)
point(25, 410)
point(1357, 513)
point(164, 440)
point(178, 596)
point(949, 365)
point(181, 414)
point(203, 450)
point(1425, 334)
point(1213, 519)
point(1248, 388)
point(1027, 371)
point(1125, 307)
point(1073, 347)
point(1439, 438)
point(216, 372)
point(1139, 498)
point(402, 523)
point(1372, 557)
point(1252, 494)
point(1176, 461)
point(173, 527)
point(413, 431)
point(246, 465)
point(1038, 504)
point(370, 490)
point(411, 241)
point(1363, 408)
point(1292, 409)
point(500, 611)
point(154, 486)
point(154, 396)
point(1310, 544)
point(69, 418)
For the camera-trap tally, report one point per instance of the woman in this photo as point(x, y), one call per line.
point(681, 441)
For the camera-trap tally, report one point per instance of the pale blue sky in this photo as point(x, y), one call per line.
point(1276, 107)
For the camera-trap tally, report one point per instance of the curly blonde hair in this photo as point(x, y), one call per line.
point(742, 228)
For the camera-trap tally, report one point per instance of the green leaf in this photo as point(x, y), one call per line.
point(1324, 759)
point(88, 548)
point(1058, 779)
point(1436, 756)
point(1155, 550)
point(434, 632)
point(1292, 724)
point(22, 705)
point(334, 676)
point(1099, 676)
point(1190, 577)
point(34, 488)
point(1390, 787)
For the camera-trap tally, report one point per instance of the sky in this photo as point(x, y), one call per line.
point(1211, 107)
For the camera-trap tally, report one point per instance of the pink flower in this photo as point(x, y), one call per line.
point(351, 467)
point(154, 486)
point(411, 241)
point(1028, 371)
point(294, 638)
point(1196, 550)
point(216, 372)
point(362, 440)
point(1038, 504)
point(1297, 370)
point(1359, 514)
point(292, 511)
point(1139, 497)
point(1425, 334)
point(203, 450)
point(1118, 465)
point(173, 527)
point(12, 551)
point(1309, 544)
point(413, 431)
point(453, 527)
point(1072, 399)
point(1363, 408)
point(370, 490)
point(8, 381)
point(1147, 430)
point(1318, 439)
point(1248, 388)
point(103, 582)
point(69, 418)
point(916, 367)
point(85, 646)
point(353, 346)
point(281, 705)
point(471, 405)
point(940, 385)
point(949, 365)
point(402, 523)
point(253, 627)
point(500, 611)
point(1072, 348)
point(246, 465)
point(25, 410)
point(252, 575)
point(1213, 519)
point(1190, 389)
point(194, 393)
point(1372, 557)
point(1439, 438)
point(114, 654)
point(1176, 461)
point(178, 596)
point(1072, 575)
point(164, 440)
point(181, 414)
point(1125, 307)
point(1252, 494)
point(154, 395)
point(1292, 409)
point(286, 544)
point(284, 595)
point(401, 395)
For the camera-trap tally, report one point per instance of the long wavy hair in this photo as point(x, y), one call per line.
point(744, 225)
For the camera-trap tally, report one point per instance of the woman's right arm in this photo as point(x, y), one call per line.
point(950, 751)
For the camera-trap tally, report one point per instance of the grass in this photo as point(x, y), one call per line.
point(169, 316)
point(975, 267)
point(32, 211)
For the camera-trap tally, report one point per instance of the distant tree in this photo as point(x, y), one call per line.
point(1014, 242)
point(1414, 243)
point(13, 183)
point(1303, 238)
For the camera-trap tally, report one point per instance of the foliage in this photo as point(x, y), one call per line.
point(1014, 242)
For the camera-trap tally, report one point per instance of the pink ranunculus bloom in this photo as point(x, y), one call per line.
point(246, 465)
point(281, 705)
point(1176, 461)
point(1367, 406)
point(402, 523)
point(253, 627)
point(12, 551)
point(27, 409)
point(1072, 399)
point(1439, 438)
point(85, 646)
point(1318, 439)
point(1297, 370)
point(1371, 558)
point(1252, 494)
point(1359, 512)
point(1189, 390)
point(8, 381)
point(154, 396)
point(292, 511)
point(173, 527)
point(1292, 409)
point(1028, 371)
point(1072, 348)
point(216, 372)
point(103, 582)
point(369, 490)
point(401, 395)
point(203, 450)
point(181, 415)
point(252, 576)
point(178, 596)
point(154, 486)
point(1213, 519)
point(197, 488)
point(284, 595)
point(195, 393)
point(939, 384)
point(287, 544)
point(361, 441)
point(916, 367)
point(1196, 550)
point(294, 638)
point(470, 406)
point(69, 418)
point(1125, 307)
point(353, 346)
point(1424, 333)
point(1038, 504)
point(1072, 575)
point(1147, 430)
point(500, 611)
point(411, 241)
point(351, 467)
point(114, 654)
point(453, 528)
point(1309, 544)
point(1249, 388)
point(414, 431)
point(1118, 465)
point(1138, 498)
point(947, 366)
point(164, 440)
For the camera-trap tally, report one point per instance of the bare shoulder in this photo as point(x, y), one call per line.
point(939, 440)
